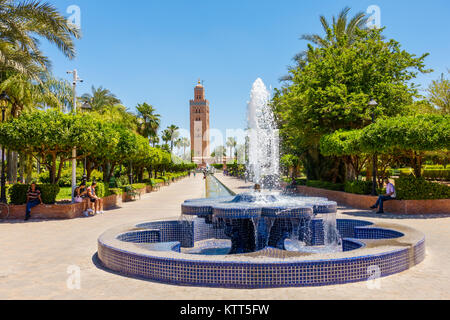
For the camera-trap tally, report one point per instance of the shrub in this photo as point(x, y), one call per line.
point(66, 177)
point(139, 186)
point(102, 190)
point(437, 174)
point(358, 187)
point(18, 193)
point(325, 185)
point(412, 188)
point(116, 191)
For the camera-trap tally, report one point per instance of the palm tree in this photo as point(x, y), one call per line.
point(27, 95)
point(20, 23)
point(100, 99)
point(339, 31)
point(148, 121)
point(184, 143)
point(231, 143)
point(171, 134)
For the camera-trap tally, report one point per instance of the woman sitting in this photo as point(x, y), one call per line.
point(81, 196)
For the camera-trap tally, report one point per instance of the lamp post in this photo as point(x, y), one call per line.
point(76, 79)
point(373, 104)
point(4, 99)
point(85, 107)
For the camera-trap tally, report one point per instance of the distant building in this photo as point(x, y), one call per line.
point(200, 137)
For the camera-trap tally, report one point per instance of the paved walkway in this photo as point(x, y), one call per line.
point(35, 257)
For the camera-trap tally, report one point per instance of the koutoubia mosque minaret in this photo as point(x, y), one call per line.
point(200, 137)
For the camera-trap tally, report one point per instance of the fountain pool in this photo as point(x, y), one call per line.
point(260, 239)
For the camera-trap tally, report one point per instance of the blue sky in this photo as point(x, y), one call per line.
point(154, 51)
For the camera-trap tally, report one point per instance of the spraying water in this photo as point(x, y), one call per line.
point(263, 139)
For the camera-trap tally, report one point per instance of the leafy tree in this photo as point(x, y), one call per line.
point(331, 92)
point(49, 137)
point(439, 92)
point(410, 136)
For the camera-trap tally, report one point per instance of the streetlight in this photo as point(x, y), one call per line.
point(76, 79)
point(85, 107)
point(373, 104)
point(4, 99)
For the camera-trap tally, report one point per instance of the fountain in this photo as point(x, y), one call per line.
point(263, 238)
point(265, 217)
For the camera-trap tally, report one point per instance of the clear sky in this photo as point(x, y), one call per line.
point(154, 51)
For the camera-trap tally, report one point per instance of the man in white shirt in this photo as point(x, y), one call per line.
point(390, 195)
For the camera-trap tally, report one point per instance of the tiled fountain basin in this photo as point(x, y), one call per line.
point(153, 251)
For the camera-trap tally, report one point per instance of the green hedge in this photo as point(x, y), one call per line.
point(116, 191)
point(359, 187)
point(412, 188)
point(18, 193)
point(325, 185)
point(66, 177)
point(437, 174)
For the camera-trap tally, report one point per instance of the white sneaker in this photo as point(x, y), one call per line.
point(90, 210)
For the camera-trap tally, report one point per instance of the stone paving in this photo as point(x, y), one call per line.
point(35, 257)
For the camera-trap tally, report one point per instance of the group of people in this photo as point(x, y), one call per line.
point(92, 204)
point(88, 196)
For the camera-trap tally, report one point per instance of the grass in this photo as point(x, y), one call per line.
point(64, 194)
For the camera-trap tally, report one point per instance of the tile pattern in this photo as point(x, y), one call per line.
point(252, 274)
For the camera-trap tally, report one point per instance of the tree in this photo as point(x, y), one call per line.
point(184, 143)
point(21, 23)
point(231, 143)
point(170, 135)
point(49, 137)
point(331, 92)
point(148, 121)
point(100, 99)
point(411, 136)
point(439, 94)
point(340, 30)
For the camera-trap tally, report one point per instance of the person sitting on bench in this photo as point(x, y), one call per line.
point(33, 199)
point(390, 195)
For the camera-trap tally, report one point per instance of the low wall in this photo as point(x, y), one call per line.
point(57, 211)
point(412, 207)
point(72, 211)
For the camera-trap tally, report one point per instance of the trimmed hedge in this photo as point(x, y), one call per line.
point(359, 187)
point(66, 177)
point(412, 188)
point(325, 185)
point(437, 174)
point(18, 193)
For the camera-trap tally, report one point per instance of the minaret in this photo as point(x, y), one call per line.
point(200, 137)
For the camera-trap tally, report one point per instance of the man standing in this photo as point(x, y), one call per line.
point(390, 195)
